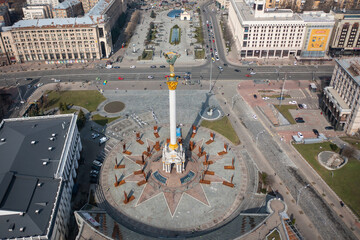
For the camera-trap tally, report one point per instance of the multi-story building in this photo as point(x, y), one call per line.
point(4, 16)
point(278, 33)
point(341, 101)
point(87, 37)
point(88, 4)
point(39, 158)
point(52, 3)
point(37, 12)
point(68, 8)
point(346, 34)
point(224, 4)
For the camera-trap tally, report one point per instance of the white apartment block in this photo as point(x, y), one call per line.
point(341, 101)
point(52, 3)
point(37, 12)
point(223, 4)
point(277, 33)
point(38, 168)
point(82, 38)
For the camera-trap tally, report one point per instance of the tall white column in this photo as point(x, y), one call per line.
point(172, 103)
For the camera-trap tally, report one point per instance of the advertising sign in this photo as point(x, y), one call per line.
point(318, 39)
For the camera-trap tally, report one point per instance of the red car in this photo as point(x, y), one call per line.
point(247, 75)
point(120, 78)
point(213, 40)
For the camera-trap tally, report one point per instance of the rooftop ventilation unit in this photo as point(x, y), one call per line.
point(3, 140)
point(33, 142)
point(52, 139)
point(50, 148)
point(37, 211)
point(21, 214)
point(53, 135)
point(22, 229)
point(40, 183)
point(45, 163)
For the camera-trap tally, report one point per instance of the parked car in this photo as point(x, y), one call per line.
point(255, 96)
point(225, 65)
point(120, 78)
point(55, 80)
point(329, 128)
point(96, 165)
point(237, 70)
point(103, 140)
point(162, 66)
point(247, 75)
point(304, 106)
point(217, 58)
point(316, 132)
point(94, 172)
point(293, 102)
point(221, 68)
point(152, 66)
point(28, 79)
point(150, 77)
point(280, 98)
point(299, 120)
point(39, 84)
point(265, 98)
point(132, 66)
point(300, 106)
point(300, 135)
point(116, 67)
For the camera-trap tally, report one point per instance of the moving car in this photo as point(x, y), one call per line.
point(265, 98)
point(329, 128)
point(28, 79)
point(132, 66)
point(225, 65)
point(116, 67)
point(150, 77)
point(293, 102)
point(221, 68)
point(162, 66)
point(120, 78)
point(152, 66)
point(247, 75)
point(94, 135)
point(55, 80)
point(237, 70)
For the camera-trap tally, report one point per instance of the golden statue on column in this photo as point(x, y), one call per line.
point(173, 153)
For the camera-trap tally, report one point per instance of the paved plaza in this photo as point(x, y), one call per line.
point(161, 43)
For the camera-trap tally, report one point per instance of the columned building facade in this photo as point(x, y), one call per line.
point(341, 99)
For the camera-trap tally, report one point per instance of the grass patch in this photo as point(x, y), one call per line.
point(102, 120)
point(284, 110)
point(86, 99)
point(69, 111)
point(274, 236)
point(199, 35)
point(146, 55)
point(223, 127)
point(345, 181)
point(200, 54)
point(277, 96)
point(355, 142)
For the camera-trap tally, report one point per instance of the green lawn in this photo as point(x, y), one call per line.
point(87, 99)
point(200, 54)
point(355, 142)
point(146, 55)
point(223, 127)
point(284, 110)
point(274, 235)
point(199, 35)
point(345, 181)
point(102, 120)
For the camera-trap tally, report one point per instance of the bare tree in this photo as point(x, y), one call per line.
point(348, 151)
point(58, 87)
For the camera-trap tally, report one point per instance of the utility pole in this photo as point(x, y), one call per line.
point(282, 90)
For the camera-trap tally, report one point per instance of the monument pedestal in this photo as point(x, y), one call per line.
point(173, 156)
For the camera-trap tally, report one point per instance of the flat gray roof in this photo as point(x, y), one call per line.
point(66, 4)
point(345, 64)
point(27, 172)
point(247, 14)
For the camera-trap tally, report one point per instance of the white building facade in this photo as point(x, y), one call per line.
point(52, 3)
point(37, 12)
point(268, 33)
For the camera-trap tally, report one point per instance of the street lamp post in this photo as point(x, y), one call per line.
point(298, 195)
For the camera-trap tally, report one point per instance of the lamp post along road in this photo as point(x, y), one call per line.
point(298, 195)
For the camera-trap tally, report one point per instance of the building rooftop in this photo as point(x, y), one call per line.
point(246, 13)
point(67, 4)
point(100, 7)
point(31, 150)
point(317, 16)
point(352, 67)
